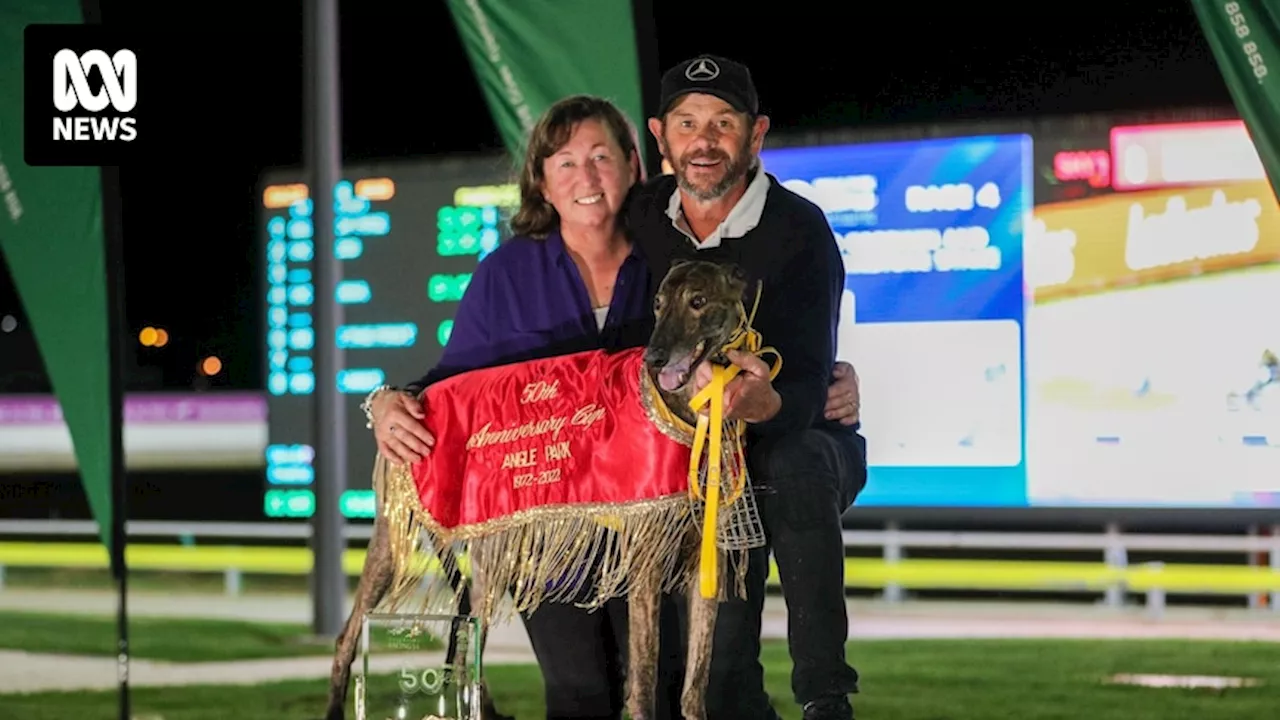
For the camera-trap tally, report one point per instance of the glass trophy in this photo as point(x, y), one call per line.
point(418, 667)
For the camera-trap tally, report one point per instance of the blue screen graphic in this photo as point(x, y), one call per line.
point(931, 233)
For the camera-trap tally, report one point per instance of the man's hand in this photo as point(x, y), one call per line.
point(397, 426)
point(844, 402)
point(749, 396)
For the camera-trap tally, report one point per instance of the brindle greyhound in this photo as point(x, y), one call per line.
point(699, 311)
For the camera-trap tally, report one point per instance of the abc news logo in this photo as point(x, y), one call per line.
point(71, 92)
point(82, 105)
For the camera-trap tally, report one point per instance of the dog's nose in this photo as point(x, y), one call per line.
point(656, 357)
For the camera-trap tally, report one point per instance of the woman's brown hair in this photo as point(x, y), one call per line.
point(537, 217)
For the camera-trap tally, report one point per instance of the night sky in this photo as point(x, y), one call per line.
point(409, 92)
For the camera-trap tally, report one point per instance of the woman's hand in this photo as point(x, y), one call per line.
point(397, 426)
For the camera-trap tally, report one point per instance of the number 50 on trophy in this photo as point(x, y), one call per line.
point(438, 661)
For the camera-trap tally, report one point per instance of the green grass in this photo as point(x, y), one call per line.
point(902, 680)
point(173, 640)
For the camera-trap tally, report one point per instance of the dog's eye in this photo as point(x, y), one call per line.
point(697, 302)
point(657, 304)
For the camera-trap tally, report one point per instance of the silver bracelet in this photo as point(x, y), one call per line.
point(367, 405)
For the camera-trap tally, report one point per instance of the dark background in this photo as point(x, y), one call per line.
point(230, 107)
point(233, 106)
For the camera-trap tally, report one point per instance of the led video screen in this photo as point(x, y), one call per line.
point(1142, 377)
point(932, 318)
point(1056, 321)
point(1151, 363)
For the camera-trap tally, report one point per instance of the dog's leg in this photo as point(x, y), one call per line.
point(471, 596)
point(643, 605)
point(702, 626)
point(375, 580)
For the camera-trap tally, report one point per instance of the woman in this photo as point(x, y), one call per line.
point(570, 280)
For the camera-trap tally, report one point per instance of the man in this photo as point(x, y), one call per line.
point(720, 205)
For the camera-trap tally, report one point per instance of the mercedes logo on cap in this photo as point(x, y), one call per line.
point(702, 69)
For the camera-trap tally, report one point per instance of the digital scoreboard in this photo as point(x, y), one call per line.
point(408, 237)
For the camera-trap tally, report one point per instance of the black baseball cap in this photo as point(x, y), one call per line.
point(728, 80)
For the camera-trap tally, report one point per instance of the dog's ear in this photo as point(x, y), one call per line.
point(737, 273)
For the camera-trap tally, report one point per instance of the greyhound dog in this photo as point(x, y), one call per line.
point(699, 311)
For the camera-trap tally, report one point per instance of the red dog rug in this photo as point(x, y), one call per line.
point(561, 477)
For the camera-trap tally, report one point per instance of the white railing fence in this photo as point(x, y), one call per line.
point(1261, 545)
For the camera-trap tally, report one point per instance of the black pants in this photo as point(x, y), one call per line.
point(583, 658)
point(805, 481)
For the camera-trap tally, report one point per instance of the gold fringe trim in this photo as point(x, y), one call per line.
point(579, 554)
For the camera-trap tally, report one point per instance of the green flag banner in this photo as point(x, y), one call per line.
point(527, 54)
point(1245, 38)
point(51, 234)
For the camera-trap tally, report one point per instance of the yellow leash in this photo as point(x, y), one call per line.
point(709, 432)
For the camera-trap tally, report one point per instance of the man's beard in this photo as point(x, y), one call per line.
point(735, 168)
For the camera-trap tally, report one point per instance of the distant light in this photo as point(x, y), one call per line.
point(162, 338)
point(211, 366)
point(1180, 154)
point(302, 338)
point(348, 248)
point(8, 323)
point(298, 229)
point(1091, 165)
point(376, 224)
point(353, 292)
point(148, 336)
point(302, 250)
point(507, 196)
point(384, 335)
point(358, 503)
point(282, 196)
point(303, 383)
point(360, 380)
point(278, 383)
point(376, 188)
